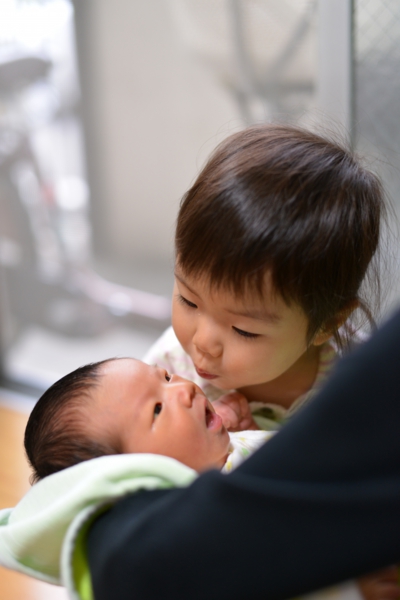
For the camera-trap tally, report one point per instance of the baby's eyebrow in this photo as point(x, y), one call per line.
point(157, 369)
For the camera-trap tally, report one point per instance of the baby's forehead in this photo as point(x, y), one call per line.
point(128, 370)
point(119, 363)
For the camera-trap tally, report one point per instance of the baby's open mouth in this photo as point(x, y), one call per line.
point(209, 416)
point(213, 420)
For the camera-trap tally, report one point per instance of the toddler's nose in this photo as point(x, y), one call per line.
point(207, 341)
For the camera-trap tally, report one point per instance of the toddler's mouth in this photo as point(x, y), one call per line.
point(205, 374)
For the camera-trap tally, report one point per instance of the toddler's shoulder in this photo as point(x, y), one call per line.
point(166, 344)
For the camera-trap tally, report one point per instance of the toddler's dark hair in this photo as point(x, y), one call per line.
point(54, 435)
point(281, 199)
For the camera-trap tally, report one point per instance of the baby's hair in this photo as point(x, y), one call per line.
point(282, 199)
point(55, 433)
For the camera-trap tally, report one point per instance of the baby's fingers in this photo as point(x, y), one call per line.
point(382, 585)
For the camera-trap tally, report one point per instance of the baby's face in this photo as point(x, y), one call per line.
point(141, 408)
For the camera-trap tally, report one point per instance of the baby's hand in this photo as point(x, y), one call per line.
point(382, 585)
point(235, 412)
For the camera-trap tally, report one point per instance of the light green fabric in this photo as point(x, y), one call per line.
point(38, 536)
point(44, 535)
point(75, 566)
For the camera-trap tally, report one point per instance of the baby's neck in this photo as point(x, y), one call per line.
point(286, 388)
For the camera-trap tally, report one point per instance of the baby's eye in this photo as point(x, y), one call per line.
point(245, 334)
point(157, 409)
point(185, 301)
point(167, 376)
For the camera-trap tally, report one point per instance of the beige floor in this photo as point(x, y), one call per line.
point(14, 482)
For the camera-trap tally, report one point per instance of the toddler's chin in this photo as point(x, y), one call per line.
point(224, 385)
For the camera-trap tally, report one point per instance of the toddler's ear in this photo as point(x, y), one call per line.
point(326, 332)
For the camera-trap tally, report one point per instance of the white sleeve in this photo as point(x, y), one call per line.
point(160, 351)
point(167, 353)
point(243, 444)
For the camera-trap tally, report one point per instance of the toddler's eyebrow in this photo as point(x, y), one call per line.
point(180, 278)
point(259, 315)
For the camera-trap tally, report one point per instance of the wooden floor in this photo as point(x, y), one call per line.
point(14, 482)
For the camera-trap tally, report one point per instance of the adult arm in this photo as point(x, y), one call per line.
point(318, 504)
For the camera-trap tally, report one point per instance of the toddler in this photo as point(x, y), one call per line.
point(273, 243)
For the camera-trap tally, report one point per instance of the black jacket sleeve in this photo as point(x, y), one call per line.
point(318, 504)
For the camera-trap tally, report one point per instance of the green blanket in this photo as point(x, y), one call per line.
point(42, 536)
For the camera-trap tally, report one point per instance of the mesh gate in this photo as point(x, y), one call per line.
point(377, 87)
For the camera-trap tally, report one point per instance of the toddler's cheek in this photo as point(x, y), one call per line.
point(183, 338)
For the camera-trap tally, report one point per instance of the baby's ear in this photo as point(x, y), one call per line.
point(326, 332)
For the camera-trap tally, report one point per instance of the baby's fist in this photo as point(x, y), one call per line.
point(382, 585)
point(234, 411)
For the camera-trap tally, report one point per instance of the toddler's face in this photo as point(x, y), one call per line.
point(237, 343)
point(142, 408)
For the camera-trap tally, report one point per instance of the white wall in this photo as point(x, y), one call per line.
point(158, 113)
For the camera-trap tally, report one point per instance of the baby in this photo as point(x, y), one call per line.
point(122, 406)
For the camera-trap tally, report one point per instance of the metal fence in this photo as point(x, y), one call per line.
point(377, 87)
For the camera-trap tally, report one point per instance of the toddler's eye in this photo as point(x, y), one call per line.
point(167, 376)
point(186, 302)
point(245, 334)
point(157, 409)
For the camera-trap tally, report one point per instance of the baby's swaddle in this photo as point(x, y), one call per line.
point(43, 536)
point(39, 536)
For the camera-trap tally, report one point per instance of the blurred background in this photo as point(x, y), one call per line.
point(108, 110)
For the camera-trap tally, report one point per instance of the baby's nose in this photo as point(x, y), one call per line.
point(182, 390)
